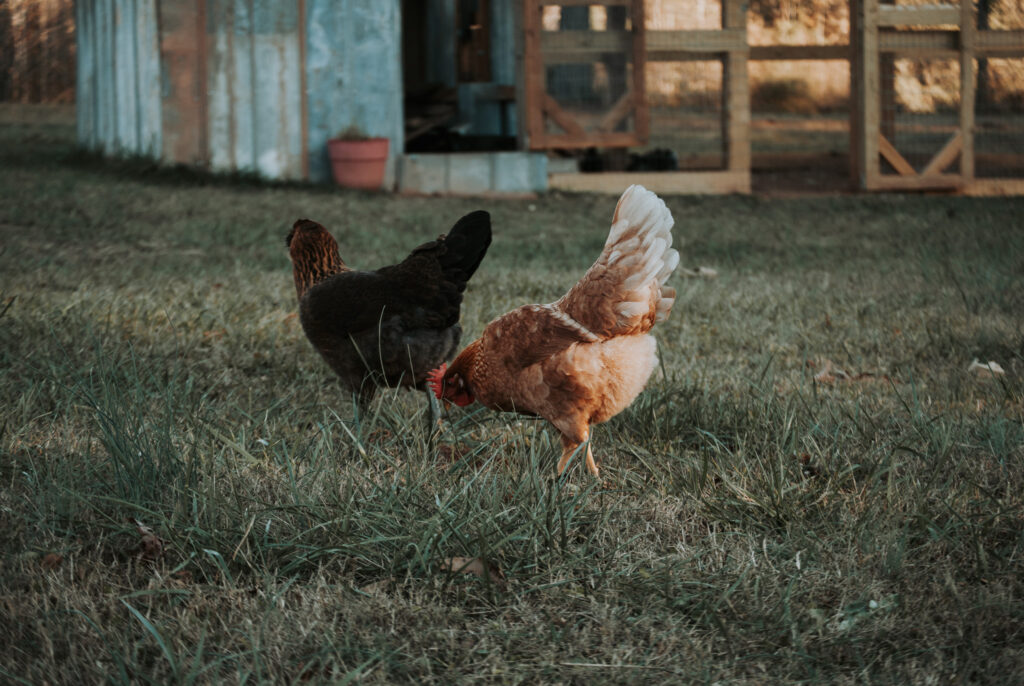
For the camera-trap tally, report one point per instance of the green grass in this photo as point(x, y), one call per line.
point(752, 526)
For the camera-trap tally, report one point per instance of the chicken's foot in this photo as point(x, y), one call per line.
point(569, 447)
point(434, 426)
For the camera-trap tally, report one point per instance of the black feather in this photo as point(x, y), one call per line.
point(394, 325)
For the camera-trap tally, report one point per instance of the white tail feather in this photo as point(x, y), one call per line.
point(640, 242)
point(671, 262)
point(636, 261)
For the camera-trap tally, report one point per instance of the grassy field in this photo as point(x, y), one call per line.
point(813, 488)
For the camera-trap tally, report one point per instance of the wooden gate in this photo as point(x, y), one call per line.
point(584, 84)
point(617, 52)
point(882, 33)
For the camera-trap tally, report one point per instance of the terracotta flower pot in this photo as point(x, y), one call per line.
point(358, 163)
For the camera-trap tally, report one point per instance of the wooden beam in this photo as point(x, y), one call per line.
point(919, 183)
point(800, 52)
point(993, 187)
point(521, 105)
point(562, 118)
point(641, 113)
point(561, 47)
point(617, 113)
point(616, 139)
point(736, 92)
point(887, 94)
point(857, 100)
point(944, 157)
point(968, 86)
point(920, 15)
point(582, 44)
point(533, 76)
point(886, 84)
point(710, 182)
point(919, 43)
point(671, 46)
point(893, 156)
point(702, 41)
point(577, 3)
point(999, 43)
point(865, 85)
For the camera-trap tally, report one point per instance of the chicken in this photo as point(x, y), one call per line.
point(581, 360)
point(393, 325)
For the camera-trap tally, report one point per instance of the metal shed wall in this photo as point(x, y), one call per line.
point(238, 85)
point(118, 81)
point(354, 75)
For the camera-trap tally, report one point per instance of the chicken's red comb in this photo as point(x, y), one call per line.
point(436, 379)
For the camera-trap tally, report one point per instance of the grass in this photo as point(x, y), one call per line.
point(188, 497)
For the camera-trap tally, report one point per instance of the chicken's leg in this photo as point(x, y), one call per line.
point(434, 418)
point(569, 446)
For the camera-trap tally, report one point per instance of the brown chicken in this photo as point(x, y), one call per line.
point(582, 359)
point(393, 325)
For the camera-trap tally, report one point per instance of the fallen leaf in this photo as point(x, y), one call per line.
point(377, 588)
point(808, 467)
point(474, 566)
point(989, 368)
point(448, 455)
point(700, 272)
point(52, 561)
point(150, 546)
point(182, 577)
point(830, 373)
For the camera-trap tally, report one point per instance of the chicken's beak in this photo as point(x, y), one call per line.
point(436, 380)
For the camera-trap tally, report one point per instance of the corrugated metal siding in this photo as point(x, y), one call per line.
point(232, 143)
point(353, 75)
point(254, 87)
point(182, 81)
point(118, 103)
point(219, 83)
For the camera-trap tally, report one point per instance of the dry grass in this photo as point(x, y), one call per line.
point(188, 497)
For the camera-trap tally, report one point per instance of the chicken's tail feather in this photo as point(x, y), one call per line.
point(465, 246)
point(640, 242)
point(624, 292)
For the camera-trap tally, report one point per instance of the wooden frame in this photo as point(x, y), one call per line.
point(540, 107)
point(728, 44)
point(880, 33)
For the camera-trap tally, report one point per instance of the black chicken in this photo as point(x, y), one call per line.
point(393, 325)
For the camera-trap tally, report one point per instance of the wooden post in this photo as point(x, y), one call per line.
point(522, 136)
point(641, 123)
point(533, 77)
point(736, 92)
point(865, 88)
point(856, 84)
point(968, 85)
point(887, 90)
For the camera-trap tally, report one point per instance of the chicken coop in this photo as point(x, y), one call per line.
point(513, 96)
